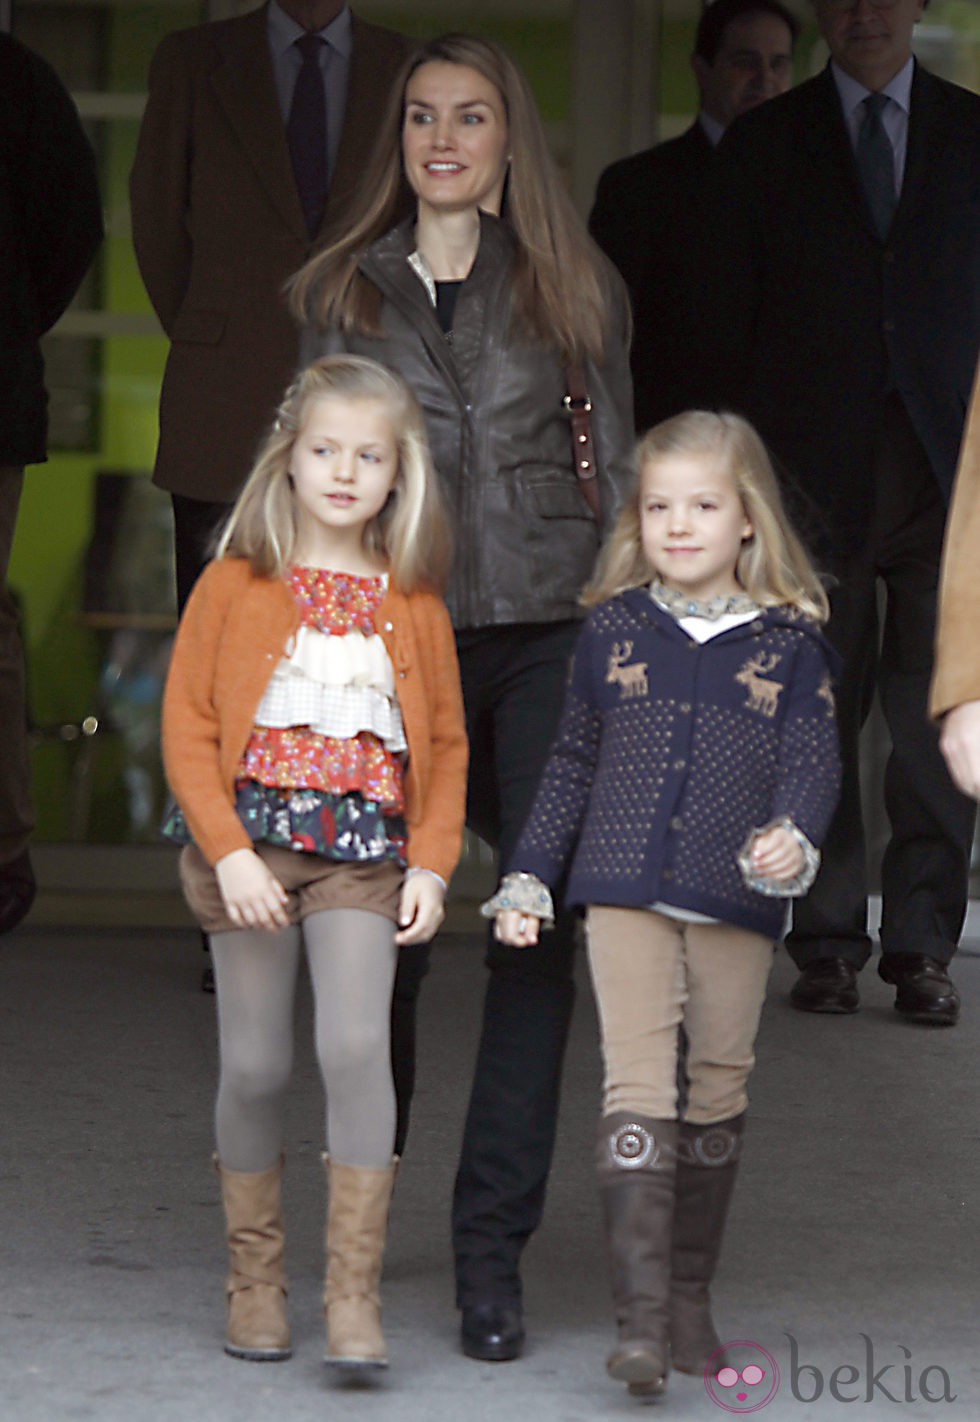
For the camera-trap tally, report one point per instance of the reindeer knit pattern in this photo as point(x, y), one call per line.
point(670, 752)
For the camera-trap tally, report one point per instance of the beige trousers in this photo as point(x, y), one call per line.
point(652, 974)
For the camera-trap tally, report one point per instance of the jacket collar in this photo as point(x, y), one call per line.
point(482, 310)
point(386, 260)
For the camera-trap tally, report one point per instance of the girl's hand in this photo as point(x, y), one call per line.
point(252, 895)
point(777, 855)
point(421, 909)
point(516, 929)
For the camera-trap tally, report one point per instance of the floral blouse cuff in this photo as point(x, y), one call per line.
point(780, 888)
point(525, 893)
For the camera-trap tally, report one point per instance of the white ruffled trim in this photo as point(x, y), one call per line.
point(336, 685)
point(351, 660)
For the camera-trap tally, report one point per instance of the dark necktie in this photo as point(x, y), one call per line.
point(876, 164)
point(306, 133)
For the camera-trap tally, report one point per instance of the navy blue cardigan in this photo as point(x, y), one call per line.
point(669, 752)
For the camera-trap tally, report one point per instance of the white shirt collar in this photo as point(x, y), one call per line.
point(852, 94)
point(713, 130)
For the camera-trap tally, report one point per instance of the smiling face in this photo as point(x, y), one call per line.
point(692, 524)
point(754, 63)
point(343, 464)
point(870, 42)
point(454, 139)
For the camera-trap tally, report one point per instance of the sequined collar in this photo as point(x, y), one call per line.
point(680, 606)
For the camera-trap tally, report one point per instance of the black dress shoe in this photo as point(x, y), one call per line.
point(826, 985)
point(925, 991)
point(17, 890)
point(493, 1333)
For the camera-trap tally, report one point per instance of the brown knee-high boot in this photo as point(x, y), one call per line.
point(357, 1221)
point(707, 1163)
point(635, 1164)
point(257, 1327)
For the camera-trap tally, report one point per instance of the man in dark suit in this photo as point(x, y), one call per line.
point(50, 229)
point(845, 317)
point(222, 217)
point(647, 212)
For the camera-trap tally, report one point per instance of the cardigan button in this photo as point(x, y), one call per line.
point(677, 823)
point(680, 764)
point(667, 875)
point(685, 708)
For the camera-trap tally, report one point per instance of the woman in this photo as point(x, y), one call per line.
point(485, 297)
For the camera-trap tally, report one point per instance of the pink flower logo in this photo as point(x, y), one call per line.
point(748, 1381)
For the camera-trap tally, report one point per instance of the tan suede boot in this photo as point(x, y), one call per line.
point(707, 1163)
point(257, 1327)
point(635, 1164)
point(357, 1221)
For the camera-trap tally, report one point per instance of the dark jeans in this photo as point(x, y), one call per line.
point(513, 687)
point(926, 862)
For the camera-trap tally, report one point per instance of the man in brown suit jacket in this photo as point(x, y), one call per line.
point(218, 228)
point(955, 694)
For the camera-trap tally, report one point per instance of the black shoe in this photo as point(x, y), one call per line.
point(493, 1333)
point(826, 985)
point(17, 890)
point(925, 991)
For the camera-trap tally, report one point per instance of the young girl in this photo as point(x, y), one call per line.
point(694, 772)
point(313, 737)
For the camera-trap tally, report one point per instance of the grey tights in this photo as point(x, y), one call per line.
point(352, 956)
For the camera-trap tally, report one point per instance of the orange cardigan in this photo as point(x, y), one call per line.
point(234, 630)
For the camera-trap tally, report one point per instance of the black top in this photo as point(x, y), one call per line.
point(446, 294)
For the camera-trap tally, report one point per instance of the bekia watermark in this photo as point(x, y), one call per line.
point(751, 1377)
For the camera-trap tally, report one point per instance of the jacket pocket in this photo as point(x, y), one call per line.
point(200, 328)
point(556, 500)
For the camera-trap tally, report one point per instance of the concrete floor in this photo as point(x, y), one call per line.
point(854, 1232)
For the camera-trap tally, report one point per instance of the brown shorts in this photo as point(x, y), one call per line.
point(312, 883)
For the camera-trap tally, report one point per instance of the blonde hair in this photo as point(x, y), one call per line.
point(559, 292)
point(773, 566)
point(411, 533)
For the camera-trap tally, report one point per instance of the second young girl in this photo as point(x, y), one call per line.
point(693, 775)
point(313, 738)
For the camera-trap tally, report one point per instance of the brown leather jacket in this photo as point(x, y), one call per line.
point(525, 539)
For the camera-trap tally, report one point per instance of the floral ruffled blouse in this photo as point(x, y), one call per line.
point(323, 771)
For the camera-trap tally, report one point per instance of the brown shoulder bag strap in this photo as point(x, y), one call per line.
point(579, 408)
